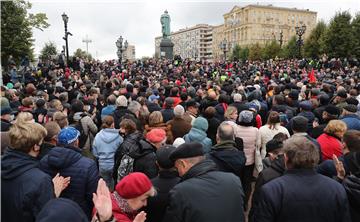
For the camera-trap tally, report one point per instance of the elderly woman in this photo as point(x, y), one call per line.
point(330, 140)
point(130, 195)
point(156, 122)
point(198, 134)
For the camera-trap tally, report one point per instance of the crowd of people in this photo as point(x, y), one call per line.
point(181, 140)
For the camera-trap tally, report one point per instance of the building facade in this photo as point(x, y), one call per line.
point(129, 53)
point(194, 42)
point(262, 24)
point(218, 37)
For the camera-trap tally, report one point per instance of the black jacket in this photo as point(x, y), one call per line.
point(153, 107)
point(214, 123)
point(302, 195)
point(83, 172)
point(276, 169)
point(168, 114)
point(204, 194)
point(141, 151)
point(5, 125)
point(352, 187)
point(240, 106)
point(25, 189)
point(118, 115)
point(228, 158)
point(163, 183)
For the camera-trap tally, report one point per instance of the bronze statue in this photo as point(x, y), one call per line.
point(165, 24)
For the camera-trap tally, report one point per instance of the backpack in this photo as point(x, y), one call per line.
point(83, 137)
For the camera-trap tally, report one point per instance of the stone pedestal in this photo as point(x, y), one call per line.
point(166, 48)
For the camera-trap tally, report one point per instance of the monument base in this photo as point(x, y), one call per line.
point(166, 49)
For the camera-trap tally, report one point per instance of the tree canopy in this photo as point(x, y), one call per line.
point(16, 29)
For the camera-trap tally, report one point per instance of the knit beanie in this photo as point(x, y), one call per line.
point(201, 124)
point(156, 135)
point(133, 185)
point(246, 116)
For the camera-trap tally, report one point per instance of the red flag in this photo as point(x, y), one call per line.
point(311, 75)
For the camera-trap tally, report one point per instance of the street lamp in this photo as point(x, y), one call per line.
point(223, 47)
point(300, 30)
point(65, 18)
point(121, 47)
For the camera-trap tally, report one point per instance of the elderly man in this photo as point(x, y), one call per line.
point(301, 194)
point(179, 126)
point(203, 193)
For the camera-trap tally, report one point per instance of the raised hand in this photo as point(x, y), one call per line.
point(140, 217)
point(339, 167)
point(102, 201)
point(60, 183)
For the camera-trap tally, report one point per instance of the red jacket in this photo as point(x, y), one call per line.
point(329, 145)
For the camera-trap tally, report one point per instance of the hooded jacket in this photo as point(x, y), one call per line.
point(105, 145)
point(83, 172)
point(25, 189)
point(197, 135)
point(228, 158)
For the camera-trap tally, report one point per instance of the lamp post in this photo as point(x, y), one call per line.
point(300, 30)
point(281, 38)
point(223, 47)
point(66, 19)
point(121, 47)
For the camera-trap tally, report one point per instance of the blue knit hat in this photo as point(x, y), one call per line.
point(68, 135)
point(201, 124)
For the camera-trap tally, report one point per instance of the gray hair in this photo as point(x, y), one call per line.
point(134, 106)
point(225, 132)
point(237, 97)
point(301, 153)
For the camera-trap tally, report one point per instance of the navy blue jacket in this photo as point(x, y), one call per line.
point(83, 172)
point(352, 121)
point(302, 195)
point(25, 189)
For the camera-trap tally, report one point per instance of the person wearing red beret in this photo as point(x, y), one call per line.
point(131, 194)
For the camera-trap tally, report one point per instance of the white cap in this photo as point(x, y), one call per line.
point(178, 142)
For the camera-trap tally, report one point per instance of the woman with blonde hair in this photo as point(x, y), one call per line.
point(330, 140)
point(156, 121)
point(61, 119)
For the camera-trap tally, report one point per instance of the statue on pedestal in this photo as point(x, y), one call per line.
point(165, 24)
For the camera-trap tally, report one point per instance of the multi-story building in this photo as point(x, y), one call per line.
point(129, 53)
point(193, 42)
point(218, 37)
point(261, 24)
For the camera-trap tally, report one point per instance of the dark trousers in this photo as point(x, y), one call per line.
point(247, 178)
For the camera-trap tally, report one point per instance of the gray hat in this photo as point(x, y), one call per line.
point(246, 116)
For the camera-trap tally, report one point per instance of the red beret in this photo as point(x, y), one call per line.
point(156, 135)
point(133, 185)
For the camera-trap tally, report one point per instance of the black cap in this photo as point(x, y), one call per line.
point(6, 110)
point(299, 124)
point(163, 156)
point(187, 150)
point(191, 102)
point(351, 108)
point(342, 94)
point(332, 110)
point(273, 145)
point(294, 94)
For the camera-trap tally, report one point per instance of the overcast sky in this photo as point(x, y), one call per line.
point(139, 21)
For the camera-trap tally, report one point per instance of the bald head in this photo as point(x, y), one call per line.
point(212, 95)
point(225, 132)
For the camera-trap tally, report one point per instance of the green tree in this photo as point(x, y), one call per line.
point(271, 50)
point(82, 54)
point(255, 52)
point(290, 50)
point(355, 25)
point(48, 51)
point(244, 54)
point(312, 47)
point(16, 29)
point(337, 40)
point(235, 53)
